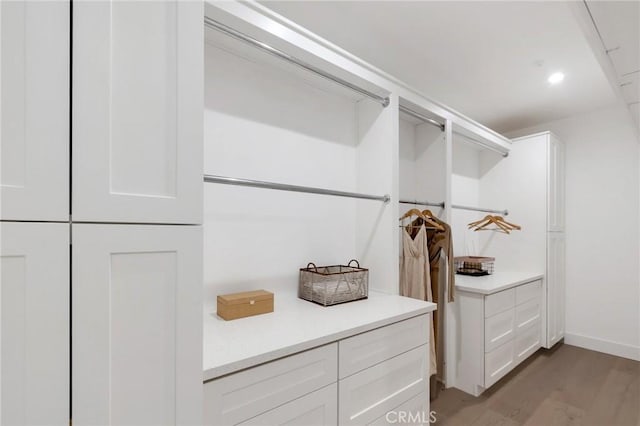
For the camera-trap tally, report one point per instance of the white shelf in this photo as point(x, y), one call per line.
point(295, 325)
point(498, 281)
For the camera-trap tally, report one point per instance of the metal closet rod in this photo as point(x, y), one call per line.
point(292, 188)
point(489, 147)
point(421, 117)
point(478, 209)
point(211, 23)
point(422, 203)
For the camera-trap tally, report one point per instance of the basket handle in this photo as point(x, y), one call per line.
point(315, 268)
point(354, 260)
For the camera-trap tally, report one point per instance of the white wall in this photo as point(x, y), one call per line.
point(602, 230)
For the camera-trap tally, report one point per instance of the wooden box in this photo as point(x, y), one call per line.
point(245, 304)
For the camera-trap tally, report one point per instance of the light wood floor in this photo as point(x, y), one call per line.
point(564, 386)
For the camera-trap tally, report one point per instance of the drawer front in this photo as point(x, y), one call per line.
point(241, 396)
point(498, 362)
point(319, 408)
point(498, 329)
point(499, 302)
point(367, 349)
point(527, 342)
point(527, 314)
point(529, 291)
point(368, 395)
point(414, 412)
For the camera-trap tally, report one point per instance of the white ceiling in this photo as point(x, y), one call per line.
point(488, 60)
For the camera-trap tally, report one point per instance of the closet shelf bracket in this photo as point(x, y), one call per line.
point(213, 24)
point(292, 188)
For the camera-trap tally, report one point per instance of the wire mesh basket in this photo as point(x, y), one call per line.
point(474, 265)
point(330, 285)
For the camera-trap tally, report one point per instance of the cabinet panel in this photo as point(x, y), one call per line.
point(34, 324)
point(34, 111)
point(499, 329)
point(498, 362)
point(319, 408)
point(527, 342)
point(555, 288)
point(529, 291)
point(366, 396)
point(555, 185)
point(241, 396)
point(137, 346)
point(499, 302)
point(366, 349)
point(527, 314)
point(138, 111)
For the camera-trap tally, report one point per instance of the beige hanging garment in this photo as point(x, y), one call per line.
point(415, 278)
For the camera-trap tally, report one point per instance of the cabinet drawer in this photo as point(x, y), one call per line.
point(244, 395)
point(414, 412)
point(367, 349)
point(499, 302)
point(529, 291)
point(527, 342)
point(319, 408)
point(498, 362)
point(366, 396)
point(498, 329)
point(527, 314)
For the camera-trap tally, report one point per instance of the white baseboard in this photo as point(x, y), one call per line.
point(605, 346)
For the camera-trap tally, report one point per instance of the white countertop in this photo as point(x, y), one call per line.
point(294, 326)
point(498, 281)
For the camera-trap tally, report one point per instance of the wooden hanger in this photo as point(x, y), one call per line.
point(428, 220)
point(503, 225)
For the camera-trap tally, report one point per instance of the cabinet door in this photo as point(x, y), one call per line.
point(368, 395)
point(319, 408)
point(34, 325)
point(137, 111)
point(555, 185)
point(555, 287)
point(34, 111)
point(137, 325)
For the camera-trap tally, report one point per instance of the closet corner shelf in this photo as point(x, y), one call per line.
point(293, 188)
point(498, 281)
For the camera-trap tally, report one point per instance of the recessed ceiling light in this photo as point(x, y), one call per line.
point(556, 78)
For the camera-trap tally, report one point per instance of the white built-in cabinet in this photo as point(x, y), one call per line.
point(34, 320)
point(137, 324)
point(555, 183)
point(365, 379)
point(34, 111)
point(137, 112)
point(497, 332)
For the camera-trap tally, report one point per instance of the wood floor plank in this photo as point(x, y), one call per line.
point(565, 386)
point(553, 412)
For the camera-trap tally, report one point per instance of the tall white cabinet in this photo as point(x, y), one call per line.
point(101, 254)
point(137, 95)
point(531, 184)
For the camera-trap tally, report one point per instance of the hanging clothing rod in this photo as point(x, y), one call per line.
point(478, 209)
point(423, 203)
point(489, 147)
point(211, 23)
point(293, 188)
point(421, 117)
